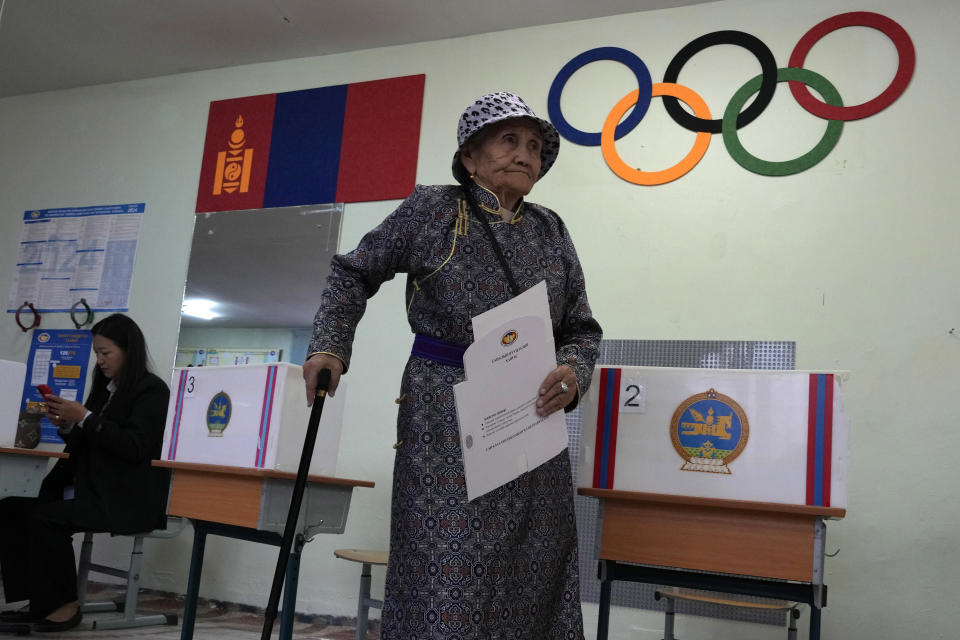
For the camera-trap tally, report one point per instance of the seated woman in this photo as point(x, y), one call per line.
point(107, 483)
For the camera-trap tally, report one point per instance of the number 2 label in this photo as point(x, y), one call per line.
point(633, 396)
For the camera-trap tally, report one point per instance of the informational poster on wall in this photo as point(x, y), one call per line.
point(58, 358)
point(66, 255)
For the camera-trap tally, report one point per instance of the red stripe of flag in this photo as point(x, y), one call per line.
point(233, 171)
point(381, 139)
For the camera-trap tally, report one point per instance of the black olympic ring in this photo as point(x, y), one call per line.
point(754, 45)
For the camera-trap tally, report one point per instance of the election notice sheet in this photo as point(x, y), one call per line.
point(501, 434)
point(75, 253)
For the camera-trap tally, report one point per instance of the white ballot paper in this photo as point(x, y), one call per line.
point(501, 434)
point(532, 302)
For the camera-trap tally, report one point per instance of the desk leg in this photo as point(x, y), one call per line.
point(193, 581)
point(814, 623)
point(290, 591)
point(603, 619)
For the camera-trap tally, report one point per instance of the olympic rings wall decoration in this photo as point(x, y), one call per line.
point(831, 108)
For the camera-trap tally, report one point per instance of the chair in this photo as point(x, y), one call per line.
point(670, 595)
point(132, 574)
point(368, 558)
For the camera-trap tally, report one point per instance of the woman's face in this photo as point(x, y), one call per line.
point(506, 159)
point(110, 357)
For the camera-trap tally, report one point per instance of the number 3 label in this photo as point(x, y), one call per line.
point(191, 387)
point(633, 396)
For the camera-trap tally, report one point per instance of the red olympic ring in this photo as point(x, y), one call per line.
point(889, 28)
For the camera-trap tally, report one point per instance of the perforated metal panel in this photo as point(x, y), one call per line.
point(705, 354)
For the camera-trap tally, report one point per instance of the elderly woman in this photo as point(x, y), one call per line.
point(505, 564)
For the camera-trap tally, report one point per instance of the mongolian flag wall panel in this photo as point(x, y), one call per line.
point(346, 143)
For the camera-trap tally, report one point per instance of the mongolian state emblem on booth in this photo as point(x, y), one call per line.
point(218, 414)
point(709, 430)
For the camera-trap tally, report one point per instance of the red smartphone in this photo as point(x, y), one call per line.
point(45, 391)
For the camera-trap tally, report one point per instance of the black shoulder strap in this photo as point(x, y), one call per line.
point(511, 281)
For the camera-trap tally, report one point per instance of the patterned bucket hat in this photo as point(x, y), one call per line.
point(494, 107)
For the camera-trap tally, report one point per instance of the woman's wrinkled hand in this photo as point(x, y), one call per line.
point(312, 367)
point(62, 412)
point(552, 394)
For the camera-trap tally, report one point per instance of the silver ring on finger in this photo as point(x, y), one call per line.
point(563, 387)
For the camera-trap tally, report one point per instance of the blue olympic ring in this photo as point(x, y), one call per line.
point(632, 62)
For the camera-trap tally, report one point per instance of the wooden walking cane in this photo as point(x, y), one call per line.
point(323, 382)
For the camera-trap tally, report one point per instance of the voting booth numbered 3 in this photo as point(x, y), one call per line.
point(715, 479)
point(248, 416)
point(234, 441)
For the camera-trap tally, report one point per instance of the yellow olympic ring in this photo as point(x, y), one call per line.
point(652, 178)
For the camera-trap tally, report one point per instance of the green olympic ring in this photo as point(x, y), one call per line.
point(787, 167)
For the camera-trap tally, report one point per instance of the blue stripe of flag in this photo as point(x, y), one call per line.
point(305, 147)
point(265, 420)
point(608, 393)
point(820, 429)
point(178, 412)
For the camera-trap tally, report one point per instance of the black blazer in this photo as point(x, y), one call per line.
point(117, 490)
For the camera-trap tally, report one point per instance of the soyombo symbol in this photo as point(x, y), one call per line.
point(764, 85)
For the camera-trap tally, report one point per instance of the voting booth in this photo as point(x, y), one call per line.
point(767, 436)
point(715, 479)
point(248, 416)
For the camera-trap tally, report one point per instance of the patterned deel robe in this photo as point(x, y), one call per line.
point(504, 565)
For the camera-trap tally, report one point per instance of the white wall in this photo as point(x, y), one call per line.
point(854, 259)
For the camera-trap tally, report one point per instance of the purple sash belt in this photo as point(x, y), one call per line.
point(448, 353)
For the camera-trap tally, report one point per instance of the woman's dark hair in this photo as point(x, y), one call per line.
point(125, 333)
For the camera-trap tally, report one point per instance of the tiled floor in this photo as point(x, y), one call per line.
point(215, 621)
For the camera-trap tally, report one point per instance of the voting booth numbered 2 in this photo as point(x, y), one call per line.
point(715, 479)
point(248, 416)
point(769, 436)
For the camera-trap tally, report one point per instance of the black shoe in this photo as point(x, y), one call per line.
point(50, 625)
point(19, 616)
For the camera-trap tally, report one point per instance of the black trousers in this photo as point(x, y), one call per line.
point(36, 552)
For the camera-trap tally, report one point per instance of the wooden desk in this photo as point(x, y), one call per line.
point(22, 470)
point(752, 548)
point(252, 504)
